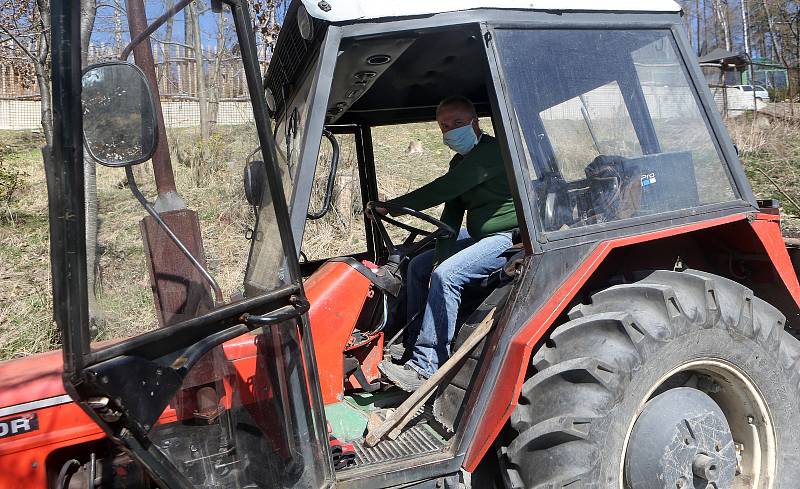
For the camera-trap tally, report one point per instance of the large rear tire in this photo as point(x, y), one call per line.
point(680, 380)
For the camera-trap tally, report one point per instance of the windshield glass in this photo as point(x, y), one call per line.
point(612, 125)
point(267, 268)
point(241, 418)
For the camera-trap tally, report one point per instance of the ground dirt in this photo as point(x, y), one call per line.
point(208, 176)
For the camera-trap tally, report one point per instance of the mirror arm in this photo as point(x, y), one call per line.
point(219, 299)
point(153, 27)
point(326, 204)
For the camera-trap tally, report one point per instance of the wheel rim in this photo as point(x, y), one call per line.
point(717, 400)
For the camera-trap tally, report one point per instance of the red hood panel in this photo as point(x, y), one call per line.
point(31, 378)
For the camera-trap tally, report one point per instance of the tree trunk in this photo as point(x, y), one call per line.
point(88, 14)
point(778, 51)
point(721, 12)
point(689, 28)
point(118, 27)
point(96, 321)
point(41, 66)
point(698, 20)
point(705, 28)
point(775, 41)
point(746, 30)
point(167, 71)
point(216, 93)
point(197, 47)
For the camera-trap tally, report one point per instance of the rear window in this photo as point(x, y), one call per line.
point(611, 124)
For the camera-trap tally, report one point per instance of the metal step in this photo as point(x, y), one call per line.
point(417, 440)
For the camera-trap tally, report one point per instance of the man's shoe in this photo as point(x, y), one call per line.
point(403, 376)
point(395, 352)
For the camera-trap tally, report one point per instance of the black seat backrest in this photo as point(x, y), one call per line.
point(622, 187)
point(668, 181)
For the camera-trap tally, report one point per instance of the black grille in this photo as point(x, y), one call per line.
point(292, 54)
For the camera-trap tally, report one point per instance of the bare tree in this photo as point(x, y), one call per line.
point(787, 30)
point(721, 13)
point(216, 93)
point(195, 40)
point(265, 18)
point(96, 320)
point(27, 24)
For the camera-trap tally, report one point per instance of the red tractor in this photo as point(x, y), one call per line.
point(642, 334)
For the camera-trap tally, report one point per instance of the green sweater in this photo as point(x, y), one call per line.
point(475, 184)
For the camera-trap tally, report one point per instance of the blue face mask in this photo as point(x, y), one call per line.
point(461, 139)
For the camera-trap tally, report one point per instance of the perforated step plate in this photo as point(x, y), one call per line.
point(417, 440)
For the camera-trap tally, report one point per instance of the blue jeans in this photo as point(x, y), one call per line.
point(436, 295)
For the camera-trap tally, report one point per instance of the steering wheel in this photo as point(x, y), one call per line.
point(409, 246)
point(556, 209)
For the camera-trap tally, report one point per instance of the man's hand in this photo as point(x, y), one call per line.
point(378, 210)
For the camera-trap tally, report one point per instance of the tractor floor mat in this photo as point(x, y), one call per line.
point(417, 440)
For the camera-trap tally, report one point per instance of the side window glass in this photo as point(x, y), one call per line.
point(614, 128)
point(407, 157)
point(584, 127)
point(340, 230)
point(677, 120)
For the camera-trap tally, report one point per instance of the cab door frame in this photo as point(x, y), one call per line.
point(156, 358)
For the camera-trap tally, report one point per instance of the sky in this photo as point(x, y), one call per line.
point(104, 25)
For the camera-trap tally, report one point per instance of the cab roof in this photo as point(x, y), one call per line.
point(351, 10)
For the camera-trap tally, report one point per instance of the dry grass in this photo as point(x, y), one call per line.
point(209, 178)
point(213, 188)
point(123, 287)
point(341, 231)
point(215, 192)
point(771, 146)
point(25, 295)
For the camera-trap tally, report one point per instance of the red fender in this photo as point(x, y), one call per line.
point(505, 392)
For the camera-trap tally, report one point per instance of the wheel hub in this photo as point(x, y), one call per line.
point(681, 440)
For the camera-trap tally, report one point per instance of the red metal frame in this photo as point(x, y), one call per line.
point(338, 295)
point(505, 391)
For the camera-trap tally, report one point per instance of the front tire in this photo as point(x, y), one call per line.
point(680, 380)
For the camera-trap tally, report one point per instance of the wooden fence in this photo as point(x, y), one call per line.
point(177, 74)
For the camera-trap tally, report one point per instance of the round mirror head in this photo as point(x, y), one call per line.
point(304, 23)
point(255, 183)
point(119, 121)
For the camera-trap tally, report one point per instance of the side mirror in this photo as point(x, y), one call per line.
point(119, 118)
point(255, 182)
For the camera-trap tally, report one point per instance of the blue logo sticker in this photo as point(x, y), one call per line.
point(648, 179)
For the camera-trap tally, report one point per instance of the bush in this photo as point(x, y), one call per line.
point(10, 178)
point(204, 157)
point(778, 94)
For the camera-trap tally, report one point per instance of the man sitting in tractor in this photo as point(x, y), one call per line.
point(475, 184)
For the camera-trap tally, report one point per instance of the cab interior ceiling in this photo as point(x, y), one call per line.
point(402, 78)
point(421, 68)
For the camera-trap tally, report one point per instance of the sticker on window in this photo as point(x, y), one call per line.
point(648, 179)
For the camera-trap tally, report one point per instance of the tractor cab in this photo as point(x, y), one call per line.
point(606, 132)
point(592, 122)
